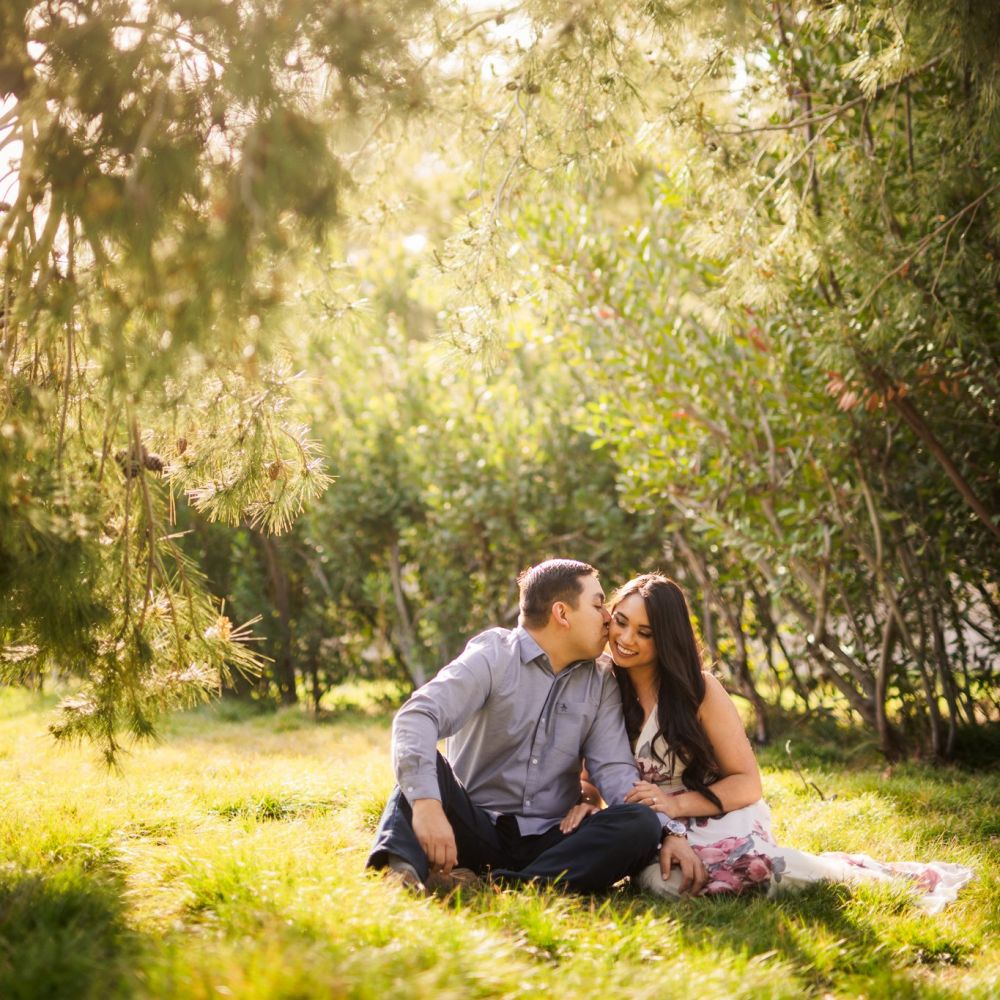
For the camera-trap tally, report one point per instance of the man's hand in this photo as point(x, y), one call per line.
point(435, 835)
point(677, 851)
point(577, 815)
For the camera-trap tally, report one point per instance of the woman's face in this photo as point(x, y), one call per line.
point(629, 637)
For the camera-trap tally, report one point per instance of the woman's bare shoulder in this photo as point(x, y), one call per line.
point(716, 696)
point(713, 686)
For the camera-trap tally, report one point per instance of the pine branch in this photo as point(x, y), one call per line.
point(833, 113)
point(921, 246)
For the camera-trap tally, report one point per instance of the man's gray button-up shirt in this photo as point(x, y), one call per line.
point(516, 731)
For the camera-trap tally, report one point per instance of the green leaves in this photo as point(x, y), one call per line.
point(170, 163)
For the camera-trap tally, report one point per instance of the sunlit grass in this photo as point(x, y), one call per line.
point(227, 861)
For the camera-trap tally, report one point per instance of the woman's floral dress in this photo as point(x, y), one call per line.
point(741, 856)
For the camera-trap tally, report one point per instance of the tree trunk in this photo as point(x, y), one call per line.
point(284, 667)
point(859, 671)
point(699, 569)
point(865, 707)
point(919, 427)
point(947, 681)
point(406, 637)
point(772, 637)
point(316, 687)
point(708, 626)
point(920, 655)
point(888, 740)
point(761, 736)
point(963, 655)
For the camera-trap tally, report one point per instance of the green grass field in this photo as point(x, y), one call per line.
point(226, 861)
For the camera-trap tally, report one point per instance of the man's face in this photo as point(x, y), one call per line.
point(589, 620)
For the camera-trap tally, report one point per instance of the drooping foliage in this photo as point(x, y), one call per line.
point(164, 162)
point(452, 479)
point(805, 302)
point(776, 263)
point(735, 266)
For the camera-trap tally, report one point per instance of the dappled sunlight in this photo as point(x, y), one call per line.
point(238, 848)
point(324, 325)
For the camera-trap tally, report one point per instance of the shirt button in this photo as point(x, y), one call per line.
point(527, 802)
point(534, 760)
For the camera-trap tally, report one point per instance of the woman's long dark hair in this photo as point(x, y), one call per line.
point(680, 686)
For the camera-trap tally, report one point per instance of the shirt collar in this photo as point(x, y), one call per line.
point(529, 648)
point(531, 651)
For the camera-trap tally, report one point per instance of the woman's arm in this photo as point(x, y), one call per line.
point(588, 790)
point(739, 782)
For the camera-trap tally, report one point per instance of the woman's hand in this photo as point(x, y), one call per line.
point(645, 793)
point(577, 815)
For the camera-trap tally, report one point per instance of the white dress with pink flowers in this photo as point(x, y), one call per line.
point(741, 856)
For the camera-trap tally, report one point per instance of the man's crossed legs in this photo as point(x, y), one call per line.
point(606, 847)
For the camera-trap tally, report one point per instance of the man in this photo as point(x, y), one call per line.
point(520, 708)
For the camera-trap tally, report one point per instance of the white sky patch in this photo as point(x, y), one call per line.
point(505, 40)
point(496, 66)
point(429, 166)
point(356, 256)
point(514, 36)
point(748, 69)
point(10, 154)
point(126, 38)
point(740, 77)
point(414, 243)
point(516, 30)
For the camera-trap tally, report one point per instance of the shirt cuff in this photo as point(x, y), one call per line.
point(420, 786)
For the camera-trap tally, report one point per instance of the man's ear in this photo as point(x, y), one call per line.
point(559, 615)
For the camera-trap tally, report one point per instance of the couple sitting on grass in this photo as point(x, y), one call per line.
point(622, 693)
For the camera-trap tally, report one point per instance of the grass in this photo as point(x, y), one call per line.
point(226, 861)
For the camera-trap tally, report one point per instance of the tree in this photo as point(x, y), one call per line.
point(455, 479)
point(166, 164)
point(791, 314)
point(765, 250)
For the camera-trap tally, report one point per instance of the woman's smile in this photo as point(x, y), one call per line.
point(630, 636)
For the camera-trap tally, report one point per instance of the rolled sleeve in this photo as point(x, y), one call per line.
point(610, 763)
point(434, 712)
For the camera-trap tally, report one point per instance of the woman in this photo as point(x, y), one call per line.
point(696, 763)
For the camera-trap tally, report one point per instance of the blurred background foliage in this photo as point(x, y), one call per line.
point(344, 313)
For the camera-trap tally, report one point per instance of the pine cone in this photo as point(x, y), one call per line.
point(131, 467)
point(128, 464)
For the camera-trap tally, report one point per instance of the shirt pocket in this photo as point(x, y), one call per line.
point(572, 722)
